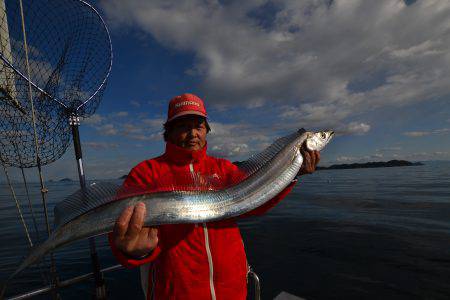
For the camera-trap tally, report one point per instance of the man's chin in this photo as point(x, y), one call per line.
point(192, 147)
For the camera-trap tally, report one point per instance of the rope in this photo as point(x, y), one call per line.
point(33, 116)
point(36, 146)
point(17, 205)
point(40, 264)
point(30, 206)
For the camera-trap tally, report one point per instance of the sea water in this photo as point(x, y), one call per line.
point(341, 234)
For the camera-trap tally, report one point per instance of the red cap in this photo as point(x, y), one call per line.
point(186, 104)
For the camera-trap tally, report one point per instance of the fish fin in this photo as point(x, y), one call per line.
point(84, 200)
point(257, 161)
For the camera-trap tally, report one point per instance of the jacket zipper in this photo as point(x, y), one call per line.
point(208, 250)
point(210, 263)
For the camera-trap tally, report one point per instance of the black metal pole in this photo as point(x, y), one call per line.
point(100, 288)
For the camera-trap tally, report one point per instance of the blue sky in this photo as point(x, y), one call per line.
point(377, 72)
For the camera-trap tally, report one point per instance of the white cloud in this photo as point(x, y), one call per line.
point(236, 141)
point(94, 119)
point(428, 155)
point(230, 150)
point(100, 145)
point(365, 158)
point(354, 128)
point(377, 156)
point(154, 123)
point(130, 129)
point(346, 159)
point(135, 104)
point(120, 114)
point(147, 137)
point(135, 129)
point(144, 129)
point(107, 129)
point(416, 133)
point(442, 131)
point(425, 48)
point(426, 133)
point(321, 60)
point(122, 123)
point(414, 156)
point(390, 149)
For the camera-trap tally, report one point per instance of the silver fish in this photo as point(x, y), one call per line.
point(94, 211)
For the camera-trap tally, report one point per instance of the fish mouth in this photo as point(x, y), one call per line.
point(330, 132)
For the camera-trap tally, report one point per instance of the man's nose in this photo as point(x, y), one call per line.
point(192, 132)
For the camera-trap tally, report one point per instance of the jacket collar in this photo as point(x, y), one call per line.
point(182, 156)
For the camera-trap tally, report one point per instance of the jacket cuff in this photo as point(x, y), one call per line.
point(129, 262)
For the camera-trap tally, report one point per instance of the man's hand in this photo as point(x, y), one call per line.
point(130, 236)
point(310, 161)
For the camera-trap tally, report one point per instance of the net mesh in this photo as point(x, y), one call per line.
point(69, 54)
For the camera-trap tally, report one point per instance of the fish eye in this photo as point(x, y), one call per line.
point(323, 135)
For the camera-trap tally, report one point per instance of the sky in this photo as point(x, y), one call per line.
point(376, 72)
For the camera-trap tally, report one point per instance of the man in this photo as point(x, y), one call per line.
point(187, 261)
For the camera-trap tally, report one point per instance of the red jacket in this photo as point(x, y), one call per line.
point(192, 261)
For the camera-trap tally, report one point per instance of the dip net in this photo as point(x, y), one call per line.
point(55, 57)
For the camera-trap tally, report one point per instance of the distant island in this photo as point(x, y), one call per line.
point(65, 180)
point(373, 164)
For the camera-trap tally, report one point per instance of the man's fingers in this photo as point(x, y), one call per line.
point(121, 226)
point(147, 239)
point(152, 232)
point(152, 237)
point(137, 221)
point(313, 161)
point(317, 157)
point(307, 158)
point(143, 234)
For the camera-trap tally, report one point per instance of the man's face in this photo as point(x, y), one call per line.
point(188, 132)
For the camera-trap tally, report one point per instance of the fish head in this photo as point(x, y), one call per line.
point(318, 140)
